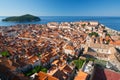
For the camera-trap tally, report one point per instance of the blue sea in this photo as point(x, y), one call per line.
point(111, 22)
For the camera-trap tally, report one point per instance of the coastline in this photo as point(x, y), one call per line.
point(111, 30)
point(111, 22)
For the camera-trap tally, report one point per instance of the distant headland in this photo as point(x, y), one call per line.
point(23, 18)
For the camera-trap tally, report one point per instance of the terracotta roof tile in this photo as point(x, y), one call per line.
point(44, 76)
point(105, 74)
point(81, 76)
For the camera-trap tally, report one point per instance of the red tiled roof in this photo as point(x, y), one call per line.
point(105, 74)
point(44, 76)
point(60, 75)
point(111, 75)
point(81, 76)
point(115, 42)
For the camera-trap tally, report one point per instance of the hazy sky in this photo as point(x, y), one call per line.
point(60, 7)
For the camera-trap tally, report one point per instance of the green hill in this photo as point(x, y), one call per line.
point(23, 18)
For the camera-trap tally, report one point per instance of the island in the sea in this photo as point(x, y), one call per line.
point(23, 18)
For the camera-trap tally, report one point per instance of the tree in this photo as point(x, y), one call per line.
point(79, 63)
point(108, 35)
point(36, 69)
point(44, 70)
point(83, 25)
point(93, 33)
point(5, 53)
point(39, 54)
